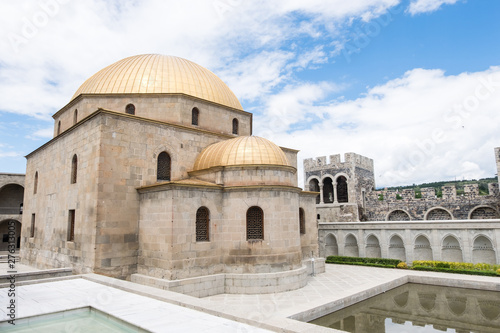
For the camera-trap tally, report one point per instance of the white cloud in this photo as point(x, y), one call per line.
point(424, 126)
point(50, 47)
point(44, 133)
point(425, 6)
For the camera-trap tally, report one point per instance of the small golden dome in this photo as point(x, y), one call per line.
point(243, 150)
point(159, 74)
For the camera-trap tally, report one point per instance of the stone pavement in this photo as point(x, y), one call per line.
point(339, 286)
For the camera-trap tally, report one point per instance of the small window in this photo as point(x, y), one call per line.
point(195, 113)
point(302, 221)
point(32, 230)
point(202, 224)
point(130, 109)
point(71, 225)
point(75, 116)
point(235, 126)
point(58, 127)
point(163, 166)
point(35, 183)
point(255, 223)
point(74, 169)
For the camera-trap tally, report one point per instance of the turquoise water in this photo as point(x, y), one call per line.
point(416, 308)
point(73, 321)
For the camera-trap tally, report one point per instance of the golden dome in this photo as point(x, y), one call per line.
point(159, 74)
point(243, 150)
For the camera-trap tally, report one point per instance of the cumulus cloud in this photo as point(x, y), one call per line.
point(51, 46)
point(423, 126)
point(426, 6)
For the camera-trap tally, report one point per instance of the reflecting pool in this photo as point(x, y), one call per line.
point(420, 308)
point(81, 320)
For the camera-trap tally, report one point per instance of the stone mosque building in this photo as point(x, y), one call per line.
point(153, 175)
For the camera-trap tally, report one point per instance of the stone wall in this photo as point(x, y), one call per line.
point(468, 241)
point(171, 108)
point(450, 207)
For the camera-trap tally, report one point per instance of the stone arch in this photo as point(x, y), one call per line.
point(398, 215)
point(427, 301)
point(342, 189)
point(483, 212)
point(314, 186)
point(331, 246)
point(351, 246)
point(489, 309)
point(483, 251)
point(422, 249)
point(451, 249)
point(401, 300)
point(373, 247)
point(397, 248)
point(327, 190)
point(6, 226)
point(11, 198)
point(456, 305)
point(438, 213)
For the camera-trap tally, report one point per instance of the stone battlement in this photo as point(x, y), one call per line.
point(335, 162)
point(448, 192)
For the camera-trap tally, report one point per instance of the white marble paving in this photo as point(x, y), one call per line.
point(145, 312)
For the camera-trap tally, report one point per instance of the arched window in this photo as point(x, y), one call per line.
point(255, 223)
point(74, 169)
point(302, 221)
point(163, 168)
point(314, 187)
point(327, 190)
point(235, 126)
point(35, 183)
point(342, 189)
point(32, 229)
point(130, 109)
point(59, 127)
point(71, 225)
point(75, 116)
point(195, 113)
point(202, 224)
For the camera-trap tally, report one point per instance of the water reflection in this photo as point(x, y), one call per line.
point(420, 308)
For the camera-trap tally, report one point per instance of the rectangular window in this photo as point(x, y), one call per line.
point(32, 230)
point(5, 238)
point(71, 225)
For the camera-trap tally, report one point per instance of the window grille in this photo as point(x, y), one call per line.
point(255, 223)
point(202, 224)
point(163, 167)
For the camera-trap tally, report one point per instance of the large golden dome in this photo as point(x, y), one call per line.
point(159, 74)
point(243, 150)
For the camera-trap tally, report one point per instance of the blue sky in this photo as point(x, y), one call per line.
point(413, 84)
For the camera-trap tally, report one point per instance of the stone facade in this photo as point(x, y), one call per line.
point(105, 203)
